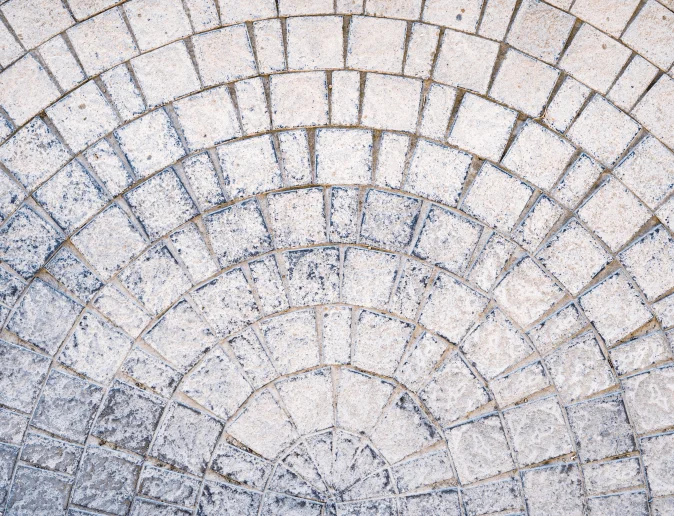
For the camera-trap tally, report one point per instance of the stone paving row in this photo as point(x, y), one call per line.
point(334, 258)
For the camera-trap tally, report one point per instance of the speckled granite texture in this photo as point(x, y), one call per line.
point(336, 257)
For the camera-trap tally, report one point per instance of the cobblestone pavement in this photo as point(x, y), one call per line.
point(338, 258)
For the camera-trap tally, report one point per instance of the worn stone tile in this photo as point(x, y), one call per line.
point(657, 453)
point(520, 384)
point(216, 66)
point(208, 118)
point(343, 156)
point(482, 127)
point(269, 285)
point(38, 492)
point(559, 256)
point(421, 50)
point(263, 426)
point(121, 310)
point(168, 486)
point(67, 406)
point(389, 220)
point(22, 373)
point(504, 495)
point(526, 292)
point(12, 427)
point(52, 454)
point(554, 490)
point(453, 391)
point(436, 172)
point(252, 103)
point(579, 369)
point(495, 345)
point(124, 92)
point(217, 383)
point(648, 397)
point(95, 349)
point(376, 44)
point(552, 29)
point(640, 353)
point(150, 143)
point(344, 206)
point(632, 83)
point(292, 340)
point(33, 154)
point(566, 103)
point(151, 372)
point(181, 336)
point(232, 244)
point(605, 213)
point(8, 457)
point(44, 316)
point(465, 61)
point(312, 275)
point(75, 275)
point(653, 252)
point(156, 24)
point(193, 251)
point(245, 175)
point(538, 155)
point(594, 58)
point(577, 181)
point(624, 503)
point(391, 102)
point(128, 417)
point(186, 438)
point(524, 83)
point(479, 449)
point(403, 429)
point(156, 279)
point(615, 308)
point(537, 224)
point(604, 477)
point(24, 73)
point(289, 228)
point(337, 335)
point(218, 498)
point(253, 358)
point(469, 303)
point(491, 261)
point(649, 111)
point(299, 99)
point(315, 43)
point(94, 490)
point(103, 41)
point(649, 33)
point(603, 130)
point(456, 15)
point(61, 63)
point(368, 277)
point(233, 11)
point(601, 428)
point(71, 196)
point(269, 45)
point(537, 431)
point(379, 342)
point(314, 387)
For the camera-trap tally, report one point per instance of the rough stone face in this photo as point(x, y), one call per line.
point(336, 257)
point(128, 417)
point(68, 406)
point(106, 480)
point(186, 438)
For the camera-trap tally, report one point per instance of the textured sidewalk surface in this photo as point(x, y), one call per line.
point(336, 257)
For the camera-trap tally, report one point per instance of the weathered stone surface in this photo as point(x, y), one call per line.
point(336, 257)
